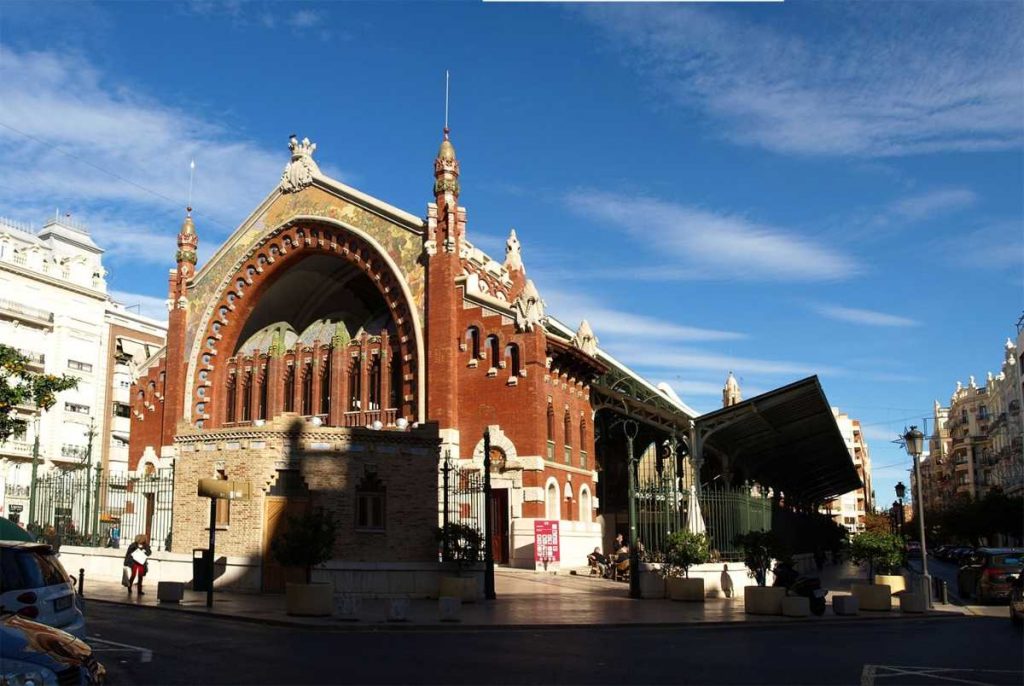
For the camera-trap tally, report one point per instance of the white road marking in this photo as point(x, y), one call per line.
point(871, 673)
point(145, 654)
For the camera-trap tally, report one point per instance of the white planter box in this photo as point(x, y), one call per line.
point(309, 600)
point(845, 605)
point(763, 600)
point(895, 582)
point(680, 588)
point(912, 602)
point(796, 606)
point(876, 597)
point(652, 584)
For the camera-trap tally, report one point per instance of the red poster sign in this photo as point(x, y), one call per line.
point(545, 543)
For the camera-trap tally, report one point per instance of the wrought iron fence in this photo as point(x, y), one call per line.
point(460, 499)
point(660, 500)
point(729, 512)
point(76, 508)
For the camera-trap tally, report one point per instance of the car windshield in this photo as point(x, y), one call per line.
point(1013, 560)
point(24, 569)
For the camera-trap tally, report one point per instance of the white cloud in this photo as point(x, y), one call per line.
point(149, 306)
point(69, 136)
point(924, 205)
point(858, 80)
point(304, 19)
point(648, 356)
point(715, 246)
point(866, 317)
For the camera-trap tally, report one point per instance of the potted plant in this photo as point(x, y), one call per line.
point(882, 552)
point(760, 549)
point(308, 541)
point(462, 545)
point(683, 549)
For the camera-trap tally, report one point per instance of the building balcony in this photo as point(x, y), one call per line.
point(11, 448)
point(25, 314)
point(16, 491)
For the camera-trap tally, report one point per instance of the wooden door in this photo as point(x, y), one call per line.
point(498, 517)
point(276, 512)
point(150, 511)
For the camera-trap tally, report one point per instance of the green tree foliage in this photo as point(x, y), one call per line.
point(683, 549)
point(760, 548)
point(308, 541)
point(464, 543)
point(20, 386)
point(976, 521)
point(883, 552)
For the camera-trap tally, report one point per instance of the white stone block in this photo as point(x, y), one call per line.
point(845, 605)
point(912, 602)
point(346, 607)
point(796, 606)
point(170, 591)
point(398, 610)
point(450, 609)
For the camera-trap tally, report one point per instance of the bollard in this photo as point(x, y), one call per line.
point(942, 591)
point(81, 581)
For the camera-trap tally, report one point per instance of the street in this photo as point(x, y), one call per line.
point(947, 571)
point(187, 649)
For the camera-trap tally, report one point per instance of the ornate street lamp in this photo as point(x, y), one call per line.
point(914, 440)
point(901, 491)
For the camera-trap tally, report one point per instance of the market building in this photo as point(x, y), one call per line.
point(337, 351)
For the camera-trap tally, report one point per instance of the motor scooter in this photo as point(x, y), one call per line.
point(805, 586)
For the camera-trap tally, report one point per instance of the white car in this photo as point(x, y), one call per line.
point(33, 584)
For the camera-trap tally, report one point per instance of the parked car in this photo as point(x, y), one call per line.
point(989, 573)
point(913, 549)
point(958, 554)
point(1017, 601)
point(34, 585)
point(34, 653)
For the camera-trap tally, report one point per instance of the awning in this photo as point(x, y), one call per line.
point(134, 349)
point(787, 439)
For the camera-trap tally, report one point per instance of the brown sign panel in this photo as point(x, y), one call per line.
point(225, 489)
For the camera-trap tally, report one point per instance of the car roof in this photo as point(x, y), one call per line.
point(26, 545)
point(1000, 551)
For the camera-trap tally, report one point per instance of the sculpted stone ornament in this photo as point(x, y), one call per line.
point(585, 339)
point(299, 172)
point(513, 253)
point(528, 308)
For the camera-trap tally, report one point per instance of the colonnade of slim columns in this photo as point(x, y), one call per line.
point(344, 382)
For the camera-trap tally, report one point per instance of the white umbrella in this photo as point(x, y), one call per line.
point(694, 519)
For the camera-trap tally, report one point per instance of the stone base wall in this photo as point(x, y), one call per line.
point(331, 462)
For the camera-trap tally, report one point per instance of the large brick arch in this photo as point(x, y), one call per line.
point(258, 269)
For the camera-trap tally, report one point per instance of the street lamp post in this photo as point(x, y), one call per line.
point(35, 466)
point(631, 429)
point(914, 441)
point(90, 434)
point(901, 491)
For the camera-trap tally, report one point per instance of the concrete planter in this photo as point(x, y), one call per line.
point(680, 588)
point(845, 605)
point(309, 600)
point(461, 587)
point(895, 582)
point(796, 606)
point(877, 597)
point(170, 591)
point(763, 600)
point(913, 602)
point(652, 584)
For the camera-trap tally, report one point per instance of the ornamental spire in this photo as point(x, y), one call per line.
point(187, 242)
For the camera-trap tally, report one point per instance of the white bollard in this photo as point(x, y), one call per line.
point(450, 609)
point(398, 610)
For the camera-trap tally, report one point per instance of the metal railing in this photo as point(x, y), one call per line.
point(461, 498)
point(33, 312)
point(66, 510)
point(729, 512)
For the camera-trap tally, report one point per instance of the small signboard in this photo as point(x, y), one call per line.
point(15, 508)
point(546, 545)
point(225, 489)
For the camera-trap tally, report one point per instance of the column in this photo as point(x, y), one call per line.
point(339, 385)
point(385, 375)
point(316, 380)
point(274, 379)
point(364, 374)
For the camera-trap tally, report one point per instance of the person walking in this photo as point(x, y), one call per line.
point(137, 559)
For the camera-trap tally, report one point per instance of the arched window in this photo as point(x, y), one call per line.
point(261, 408)
point(473, 342)
point(551, 431)
point(373, 396)
point(568, 502)
point(512, 353)
point(552, 506)
point(583, 442)
point(229, 415)
point(307, 389)
point(289, 389)
point(395, 374)
point(355, 390)
point(325, 387)
point(493, 351)
point(585, 505)
point(247, 396)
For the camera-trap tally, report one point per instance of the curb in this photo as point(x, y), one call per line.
point(343, 626)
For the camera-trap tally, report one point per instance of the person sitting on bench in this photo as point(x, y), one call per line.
point(598, 562)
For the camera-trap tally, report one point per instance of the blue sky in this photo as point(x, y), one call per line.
point(779, 190)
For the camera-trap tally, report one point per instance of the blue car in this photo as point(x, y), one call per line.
point(37, 654)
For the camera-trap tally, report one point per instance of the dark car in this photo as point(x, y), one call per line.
point(1017, 601)
point(989, 573)
point(34, 653)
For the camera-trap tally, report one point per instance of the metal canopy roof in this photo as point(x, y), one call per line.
point(787, 439)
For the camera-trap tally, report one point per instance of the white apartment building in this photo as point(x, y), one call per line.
point(54, 307)
point(850, 509)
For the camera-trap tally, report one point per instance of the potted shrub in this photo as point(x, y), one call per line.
point(462, 545)
point(882, 552)
point(760, 550)
point(308, 541)
point(683, 549)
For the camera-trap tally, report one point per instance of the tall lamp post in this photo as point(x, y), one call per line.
point(631, 429)
point(901, 491)
point(914, 440)
point(35, 466)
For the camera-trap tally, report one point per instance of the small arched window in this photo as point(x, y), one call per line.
point(473, 342)
point(512, 353)
point(551, 422)
point(494, 351)
point(289, 389)
point(567, 421)
point(229, 397)
point(585, 504)
point(552, 504)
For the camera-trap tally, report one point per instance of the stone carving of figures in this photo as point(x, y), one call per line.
point(513, 253)
point(585, 339)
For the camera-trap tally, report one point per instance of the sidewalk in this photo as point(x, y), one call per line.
point(525, 599)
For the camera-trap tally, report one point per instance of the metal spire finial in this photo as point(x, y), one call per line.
point(191, 176)
point(446, 103)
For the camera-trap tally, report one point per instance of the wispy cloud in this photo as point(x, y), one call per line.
point(995, 245)
point(856, 315)
point(931, 77)
point(304, 19)
point(712, 245)
point(609, 323)
point(149, 306)
point(925, 205)
point(649, 357)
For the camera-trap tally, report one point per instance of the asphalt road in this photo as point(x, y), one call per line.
point(948, 572)
point(152, 646)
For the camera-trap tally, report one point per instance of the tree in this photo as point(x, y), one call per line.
point(307, 542)
point(883, 552)
point(683, 549)
point(880, 523)
point(760, 548)
point(21, 386)
point(463, 544)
